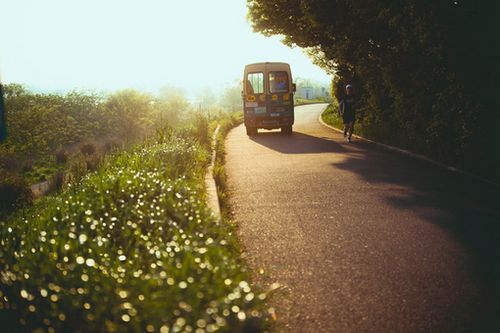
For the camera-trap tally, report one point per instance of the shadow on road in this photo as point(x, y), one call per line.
point(297, 143)
point(468, 209)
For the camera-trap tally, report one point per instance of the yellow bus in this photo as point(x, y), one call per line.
point(268, 97)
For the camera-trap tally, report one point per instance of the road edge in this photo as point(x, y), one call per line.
point(210, 184)
point(411, 154)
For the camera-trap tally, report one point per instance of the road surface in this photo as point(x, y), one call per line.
point(363, 239)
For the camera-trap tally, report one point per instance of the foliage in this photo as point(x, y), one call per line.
point(88, 149)
point(129, 113)
point(14, 193)
point(226, 121)
point(132, 248)
point(197, 127)
point(425, 71)
point(61, 157)
point(171, 105)
point(332, 117)
point(46, 129)
point(206, 97)
point(40, 123)
point(231, 97)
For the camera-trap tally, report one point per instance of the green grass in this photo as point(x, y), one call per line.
point(131, 248)
point(41, 172)
point(331, 116)
point(219, 172)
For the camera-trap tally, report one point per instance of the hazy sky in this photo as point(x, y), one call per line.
point(113, 44)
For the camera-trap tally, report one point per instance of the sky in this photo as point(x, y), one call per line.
point(61, 45)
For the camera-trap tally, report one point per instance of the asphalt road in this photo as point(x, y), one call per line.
point(363, 239)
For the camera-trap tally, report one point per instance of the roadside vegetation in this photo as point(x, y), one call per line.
point(219, 171)
point(59, 138)
point(130, 245)
point(332, 117)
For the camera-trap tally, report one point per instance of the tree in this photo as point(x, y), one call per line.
point(172, 105)
point(424, 69)
point(130, 112)
point(206, 97)
point(231, 97)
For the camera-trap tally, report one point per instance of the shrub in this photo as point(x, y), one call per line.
point(57, 182)
point(10, 162)
point(28, 166)
point(199, 127)
point(93, 162)
point(14, 193)
point(88, 149)
point(61, 157)
point(77, 168)
point(111, 145)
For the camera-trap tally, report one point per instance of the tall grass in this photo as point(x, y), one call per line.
point(131, 248)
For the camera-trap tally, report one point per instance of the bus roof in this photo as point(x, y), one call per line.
point(268, 66)
point(268, 62)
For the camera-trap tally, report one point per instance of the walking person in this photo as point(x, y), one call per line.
point(346, 109)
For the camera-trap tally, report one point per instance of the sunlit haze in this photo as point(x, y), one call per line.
point(109, 45)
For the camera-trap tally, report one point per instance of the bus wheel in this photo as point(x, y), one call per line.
point(251, 131)
point(287, 129)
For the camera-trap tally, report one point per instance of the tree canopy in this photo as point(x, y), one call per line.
point(425, 71)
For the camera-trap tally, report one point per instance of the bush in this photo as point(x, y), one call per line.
point(61, 157)
point(199, 128)
point(111, 145)
point(88, 149)
point(78, 168)
point(14, 193)
point(10, 162)
point(93, 162)
point(28, 166)
point(57, 182)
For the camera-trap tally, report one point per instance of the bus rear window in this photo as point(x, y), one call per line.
point(278, 82)
point(255, 83)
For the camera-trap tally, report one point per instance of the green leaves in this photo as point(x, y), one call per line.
point(403, 58)
point(131, 248)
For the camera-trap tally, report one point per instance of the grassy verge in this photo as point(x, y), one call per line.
point(226, 124)
point(331, 116)
point(131, 248)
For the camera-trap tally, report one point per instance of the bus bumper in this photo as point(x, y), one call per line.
point(269, 122)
